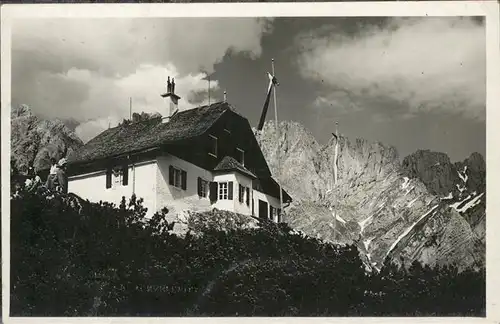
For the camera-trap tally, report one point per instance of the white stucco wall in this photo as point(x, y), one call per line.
point(177, 200)
point(92, 186)
point(242, 208)
point(227, 204)
point(150, 182)
point(257, 195)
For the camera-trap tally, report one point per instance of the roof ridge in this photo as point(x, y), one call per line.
point(230, 163)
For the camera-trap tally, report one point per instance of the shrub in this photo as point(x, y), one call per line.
point(70, 257)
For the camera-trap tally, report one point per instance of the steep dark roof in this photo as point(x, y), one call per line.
point(151, 133)
point(229, 163)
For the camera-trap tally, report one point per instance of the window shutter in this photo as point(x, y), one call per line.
point(240, 193)
point(171, 175)
point(248, 196)
point(270, 212)
point(125, 175)
point(108, 178)
point(230, 190)
point(213, 192)
point(199, 186)
point(184, 180)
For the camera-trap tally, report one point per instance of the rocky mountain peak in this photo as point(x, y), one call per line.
point(295, 144)
point(359, 159)
point(388, 208)
point(21, 111)
point(303, 158)
point(34, 141)
point(433, 168)
point(444, 178)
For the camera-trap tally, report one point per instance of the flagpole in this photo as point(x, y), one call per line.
point(335, 176)
point(209, 90)
point(130, 108)
point(335, 166)
point(277, 140)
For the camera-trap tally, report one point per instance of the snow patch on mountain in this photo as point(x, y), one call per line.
point(460, 188)
point(463, 176)
point(364, 222)
point(473, 202)
point(408, 230)
point(448, 197)
point(337, 217)
point(409, 190)
point(405, 183)
point(367, 242)
point(411, 202)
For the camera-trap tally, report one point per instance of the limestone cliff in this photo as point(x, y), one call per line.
point(377, 204)
point(35, 141)
point(462, 184)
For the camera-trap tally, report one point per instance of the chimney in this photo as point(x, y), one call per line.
point(173, 100)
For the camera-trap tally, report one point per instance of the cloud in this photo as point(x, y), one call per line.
point(108, 102)
point(87, 69)
point(424, 64)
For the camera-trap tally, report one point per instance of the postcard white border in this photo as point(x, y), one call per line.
point(490, 9)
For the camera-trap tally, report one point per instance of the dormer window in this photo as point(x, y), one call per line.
point(213, 145)
point(240, 155)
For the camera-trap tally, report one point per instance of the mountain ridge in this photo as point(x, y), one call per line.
point(402, 210)
point(34, 141)
point(376, 199)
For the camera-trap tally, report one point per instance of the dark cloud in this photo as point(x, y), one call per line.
point(87, 69)
point(423, 64)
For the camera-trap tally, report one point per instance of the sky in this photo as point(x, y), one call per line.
point(414, 83)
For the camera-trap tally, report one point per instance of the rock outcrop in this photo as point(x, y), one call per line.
point(377, 203)
point(462, 185)
point(35, 141)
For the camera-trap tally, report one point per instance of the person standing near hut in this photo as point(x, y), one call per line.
point(53, 165)
point(29, 177)
point(61, 176)
point(58, 181)
point(52, 174)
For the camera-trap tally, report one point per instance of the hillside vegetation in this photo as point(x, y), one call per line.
point(70, 257)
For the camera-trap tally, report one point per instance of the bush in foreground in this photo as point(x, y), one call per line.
point(74, 258)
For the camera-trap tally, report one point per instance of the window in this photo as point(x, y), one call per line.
point(275, 213)
point(223, 190)
point(202, 188)
point(117, 176)
point(226, 190)
point(213, 146)
point(240, 156)
point(177, 177)
point(241, 194)
point(244, 195)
